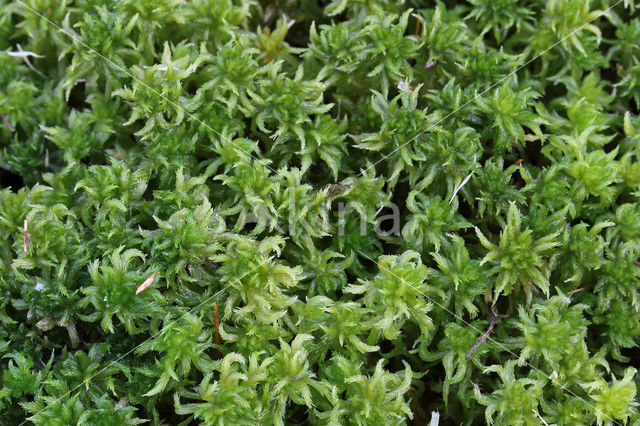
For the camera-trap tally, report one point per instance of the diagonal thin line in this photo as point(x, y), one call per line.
point(127, 72)
point(193, 116)
point(192, 310)
point(362, 172)
point(478, 95)
point(482, 332)
point(435, 124)
point(189, 114)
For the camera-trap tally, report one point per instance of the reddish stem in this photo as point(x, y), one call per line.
point(418, 22)
point(216, 323)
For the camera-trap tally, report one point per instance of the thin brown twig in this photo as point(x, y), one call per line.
point(576, 290)
point(216, 324)
point(493, 320)
point(418, 22)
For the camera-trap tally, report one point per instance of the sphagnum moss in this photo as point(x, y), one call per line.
point(360, 212)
